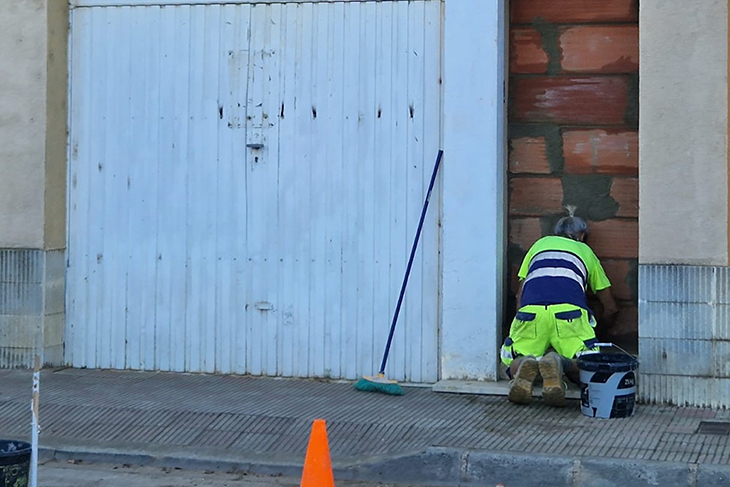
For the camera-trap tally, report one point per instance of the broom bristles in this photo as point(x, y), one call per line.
point(379, 384)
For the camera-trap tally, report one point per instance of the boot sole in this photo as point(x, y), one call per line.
point(521, 390)
point(552, 383)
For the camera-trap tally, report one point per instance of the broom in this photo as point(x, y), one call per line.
point(380, 383)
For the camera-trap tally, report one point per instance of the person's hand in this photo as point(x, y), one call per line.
point(610, 310)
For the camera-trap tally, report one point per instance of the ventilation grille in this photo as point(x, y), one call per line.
point(714, 428)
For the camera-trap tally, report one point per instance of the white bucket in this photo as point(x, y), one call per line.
point(608, 384)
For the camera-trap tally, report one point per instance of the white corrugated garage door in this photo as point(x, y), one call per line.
point(245, 183)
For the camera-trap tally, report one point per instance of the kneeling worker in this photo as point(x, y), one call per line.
point(553, 312)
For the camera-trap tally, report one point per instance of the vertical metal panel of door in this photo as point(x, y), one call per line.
point(245, 182)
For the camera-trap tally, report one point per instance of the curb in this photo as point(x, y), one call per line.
point(452, 467)
point(435, 466)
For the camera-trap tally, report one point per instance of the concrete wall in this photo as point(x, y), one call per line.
point(684, 278)
point(33, 121)
point(33, 63)
point(56, 122)
point(23, 47)
point(683, 144)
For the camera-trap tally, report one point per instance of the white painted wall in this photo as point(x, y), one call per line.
point(683, 165)
point(473, 240)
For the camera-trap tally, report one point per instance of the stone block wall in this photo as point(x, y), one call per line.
point(573, 136)
point(31, 306)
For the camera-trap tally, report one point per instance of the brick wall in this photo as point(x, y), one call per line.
point(573, 135)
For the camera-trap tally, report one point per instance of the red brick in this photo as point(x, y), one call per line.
point(524, 232)
point(526, 55)
point(626, 192)
point(570, 100)
point(535, 196)
point(614, 238)
point(528, 155)
point(573, 11)
point(600, 49)
point(601, 151)
point(617, 270)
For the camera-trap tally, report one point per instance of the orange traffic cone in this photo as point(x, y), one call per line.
point(317, 464)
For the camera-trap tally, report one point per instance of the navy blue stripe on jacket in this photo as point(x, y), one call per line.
point(555, 277)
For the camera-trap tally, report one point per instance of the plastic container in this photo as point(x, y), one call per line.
point(14, 462)
point(608, 384)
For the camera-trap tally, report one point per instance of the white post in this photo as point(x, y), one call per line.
point(473, 220)
point(34, 405)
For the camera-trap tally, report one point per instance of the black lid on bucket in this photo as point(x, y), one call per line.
point(12, 448)
point(607, 362)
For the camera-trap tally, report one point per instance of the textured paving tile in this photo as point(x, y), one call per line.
point(274, 416)
point(216, 438)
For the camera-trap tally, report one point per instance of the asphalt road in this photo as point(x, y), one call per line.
point(82, 474)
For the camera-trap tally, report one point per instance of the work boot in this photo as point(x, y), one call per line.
point(553, 387)
point(520, 389)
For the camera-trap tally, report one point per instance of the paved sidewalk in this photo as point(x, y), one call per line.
point(262, 425)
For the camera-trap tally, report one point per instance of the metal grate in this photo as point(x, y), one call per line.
point(714, 428)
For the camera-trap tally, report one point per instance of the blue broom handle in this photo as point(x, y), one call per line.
point(410, 261)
